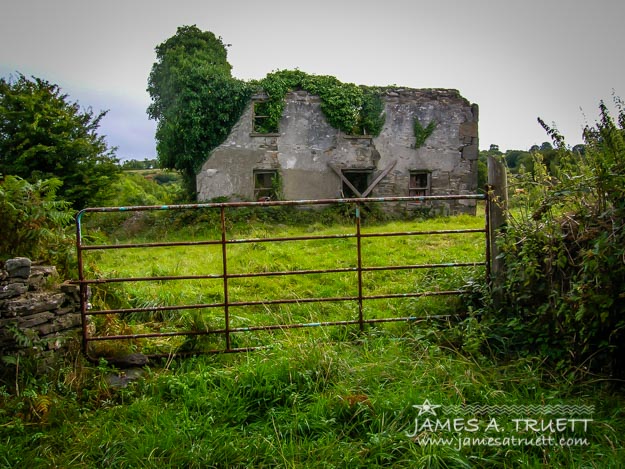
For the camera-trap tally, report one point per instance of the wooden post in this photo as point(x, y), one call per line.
point(498, 211)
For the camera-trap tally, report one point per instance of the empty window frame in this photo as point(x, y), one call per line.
point(357, 178)
point(261, 122)
point(419, 184)
point(265, 185)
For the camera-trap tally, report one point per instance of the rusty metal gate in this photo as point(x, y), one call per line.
point(224, 244)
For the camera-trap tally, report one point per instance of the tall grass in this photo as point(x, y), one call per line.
point(280, 256)
point(315, 401)
point(316, 397)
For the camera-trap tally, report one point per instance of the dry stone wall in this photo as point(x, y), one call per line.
point(35, 314)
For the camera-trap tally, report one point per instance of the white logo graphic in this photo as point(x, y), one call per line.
point(426, 408)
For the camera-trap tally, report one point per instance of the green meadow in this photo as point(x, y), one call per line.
point(272, 249)
point(309, 397)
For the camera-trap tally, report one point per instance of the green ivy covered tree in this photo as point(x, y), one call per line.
point(195, 100)
point(43, 135)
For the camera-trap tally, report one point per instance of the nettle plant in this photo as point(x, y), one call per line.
point(564, 248)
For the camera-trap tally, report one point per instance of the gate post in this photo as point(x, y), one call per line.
point(498, 211)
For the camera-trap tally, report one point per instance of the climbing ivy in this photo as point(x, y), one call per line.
point(422, 133)
point(355, 110)
point(197, 101)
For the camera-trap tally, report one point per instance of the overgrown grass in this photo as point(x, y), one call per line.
point(317, 397)
point(323, 400)
point(263, 256)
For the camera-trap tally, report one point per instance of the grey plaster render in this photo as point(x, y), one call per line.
point(307, 147)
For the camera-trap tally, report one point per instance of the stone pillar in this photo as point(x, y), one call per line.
point(498, 211)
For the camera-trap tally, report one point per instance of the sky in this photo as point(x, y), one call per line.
point(518, 60)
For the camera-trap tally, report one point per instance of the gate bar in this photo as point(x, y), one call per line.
point(96, 247)
point(276, 203)
point(359, 264)
point(328, 299)
point(282, 273)
point(226, 275)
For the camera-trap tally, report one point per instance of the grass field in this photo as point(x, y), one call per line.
point(261, 256)
point(315, 397)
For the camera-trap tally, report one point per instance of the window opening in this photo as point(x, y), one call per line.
point(358, 179)
point(419, 184)
point(261, 123)
point(265, 185)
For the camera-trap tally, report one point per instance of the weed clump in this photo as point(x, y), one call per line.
point(563, 288)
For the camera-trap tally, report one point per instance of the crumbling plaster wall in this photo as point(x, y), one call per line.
point(307, 145)
point(449, 154)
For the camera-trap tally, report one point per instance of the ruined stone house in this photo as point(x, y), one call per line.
point(308, 159)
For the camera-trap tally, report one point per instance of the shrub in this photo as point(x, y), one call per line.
point(34, 222)
point(563, 289)
point(135, 189)
point(44, 135)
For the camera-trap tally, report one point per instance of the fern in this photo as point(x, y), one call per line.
point(35, 222)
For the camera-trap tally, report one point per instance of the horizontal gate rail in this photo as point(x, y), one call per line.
point(225, 276)
point(266, 240)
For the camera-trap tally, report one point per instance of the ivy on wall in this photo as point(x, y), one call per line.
point(196, 100)
point(356, 110)
point(422, 133)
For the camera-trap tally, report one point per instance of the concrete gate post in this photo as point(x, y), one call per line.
point(498, 211)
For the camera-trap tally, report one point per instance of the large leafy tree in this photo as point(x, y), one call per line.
point(44, 135)
point(195, 99)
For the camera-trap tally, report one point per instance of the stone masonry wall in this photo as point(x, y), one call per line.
point(46, 315)
point(307, 150)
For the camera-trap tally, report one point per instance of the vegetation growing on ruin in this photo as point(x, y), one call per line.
point(355, 110)
point(422, 133)
point(196, 101)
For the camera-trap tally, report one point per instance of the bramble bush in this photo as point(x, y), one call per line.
point(563, 290)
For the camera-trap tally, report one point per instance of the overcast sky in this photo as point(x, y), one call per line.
point(517, 59)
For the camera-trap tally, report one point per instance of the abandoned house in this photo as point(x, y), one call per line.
point(306, 158)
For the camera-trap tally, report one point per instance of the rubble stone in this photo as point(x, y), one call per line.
point(29, 308)
point(18, 267)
